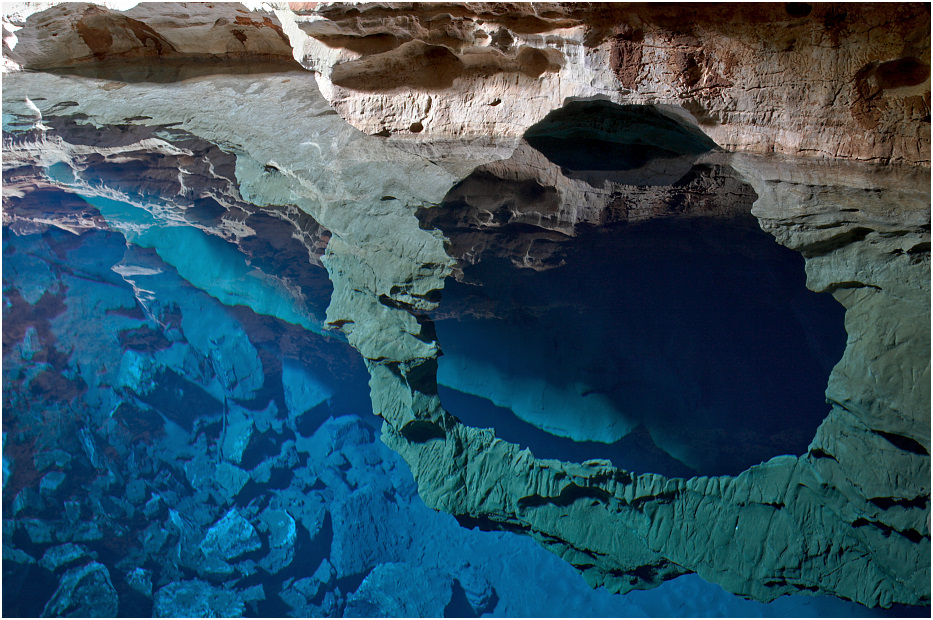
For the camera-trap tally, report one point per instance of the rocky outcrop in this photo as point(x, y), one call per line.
point(841, 81)
point(848, 518)
point(825, 80)
point(69, 36)
point(562, 176)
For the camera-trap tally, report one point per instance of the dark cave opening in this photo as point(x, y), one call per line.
point(669, 334)
point(701, 333)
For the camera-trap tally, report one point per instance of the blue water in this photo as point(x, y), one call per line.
point(183, 445)
point(699, 335)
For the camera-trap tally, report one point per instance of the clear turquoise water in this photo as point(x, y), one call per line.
point(154, 382)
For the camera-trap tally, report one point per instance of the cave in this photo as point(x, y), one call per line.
point(472, 309)
point(682, 341)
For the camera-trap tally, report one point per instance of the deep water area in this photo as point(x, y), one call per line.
point(179, 442)
point(465, 310)
point(679, 346)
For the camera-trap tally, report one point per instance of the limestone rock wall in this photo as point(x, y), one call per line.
point(78, 33)
point(828, 80)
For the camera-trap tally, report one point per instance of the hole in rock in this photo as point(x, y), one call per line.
point(603, 136)
point(798, 9)
point(668, 334)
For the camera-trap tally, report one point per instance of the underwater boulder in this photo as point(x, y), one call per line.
point(140, 580)
point(231, 537)
point(196, 599)
point(303, 389)
point(223, 480)
point(80, 531)
point(37, 530)
point(478, 591)
point(138, 372)
point(229, 480)
point(238, 430)
point(283, 535)
point(399, 590)
point(27, 501)
point(136, 491)
point(52, 458)
point(309, 509)
point(60, 556)
point(51, 482)
point(86, 591)
point(369, 529)
point(298, 594)
point(334, 435)
point(23, 575)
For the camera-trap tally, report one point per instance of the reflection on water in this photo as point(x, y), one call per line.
point(173, 70)
point(698, 335)
point(182, 450)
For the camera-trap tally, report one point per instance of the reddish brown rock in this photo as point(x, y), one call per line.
point(833, 80)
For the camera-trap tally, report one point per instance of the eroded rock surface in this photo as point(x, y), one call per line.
point(67, 36)
point(849, 518)
point(826, 80)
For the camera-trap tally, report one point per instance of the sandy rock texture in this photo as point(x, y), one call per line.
point(826, 80)
point(850, 517)
point(77, 33)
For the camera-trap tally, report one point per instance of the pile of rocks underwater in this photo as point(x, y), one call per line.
point(225, 244)
point(155, 467)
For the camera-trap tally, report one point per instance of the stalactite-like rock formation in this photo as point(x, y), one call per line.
point(840, 92)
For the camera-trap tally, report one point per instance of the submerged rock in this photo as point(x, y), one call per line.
point(283, 535)
point(480, 595)
point(37, 530)
point(85, 591)
point(14, 555)
point(303, 390)
point(82, 531)
point(140, 580)
point(229, 480)
point(8, 462)
point(214, 569)
point(309, 510)
point(138, 372)
point(27, 586)
point(253, 594)
point(62, 555)
point(196, 599)
point(789, 525)
point(400, 591)
point(238, 430)
point(26, 501)
point(231, 537)
point(72, 511)
point(299, 594)
point(51, 482)
point(223, 480)
point(368, 530)
point(136, 491)
point(52, 458)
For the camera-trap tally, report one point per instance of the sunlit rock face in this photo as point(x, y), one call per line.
point(219, 233)
point(69, 36)
point(824, 80)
